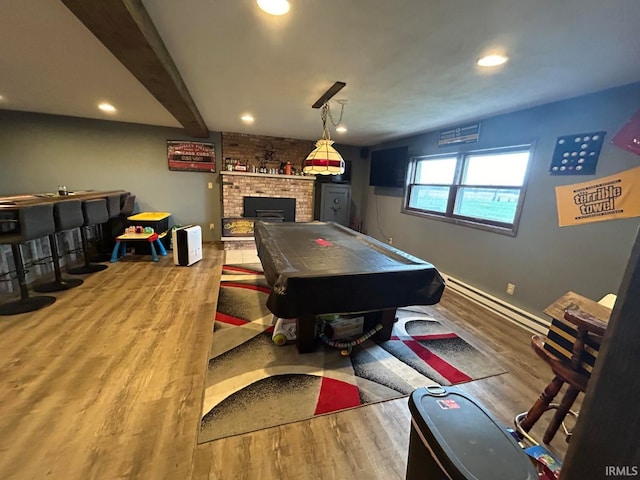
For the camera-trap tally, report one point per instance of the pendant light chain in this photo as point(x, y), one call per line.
point(323, 116)
point(334, 123)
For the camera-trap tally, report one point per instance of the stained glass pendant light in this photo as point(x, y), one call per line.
point(324, 159)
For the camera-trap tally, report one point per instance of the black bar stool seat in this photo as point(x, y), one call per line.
point(94, 212)
point(106, 234)
point(35, 221)
point(67, 215)
point(127, 206)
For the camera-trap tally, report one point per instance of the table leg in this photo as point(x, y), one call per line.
point(163, 252)
point(114, 254)
point(154, 255)
point(306, 333)
point(387, 319)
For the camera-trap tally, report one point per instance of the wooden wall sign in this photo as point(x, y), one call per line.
point(189, 156)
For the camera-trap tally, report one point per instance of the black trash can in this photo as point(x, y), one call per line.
point(453, 437)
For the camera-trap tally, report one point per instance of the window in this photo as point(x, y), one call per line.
point(484, 189)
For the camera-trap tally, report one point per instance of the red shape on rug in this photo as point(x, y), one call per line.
point(241, 270)
point(444, 368)
point(231, 320)
point(336, 395)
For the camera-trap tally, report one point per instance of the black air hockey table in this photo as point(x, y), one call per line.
point(324, 268)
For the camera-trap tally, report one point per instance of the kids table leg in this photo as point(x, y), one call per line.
point(115, 256)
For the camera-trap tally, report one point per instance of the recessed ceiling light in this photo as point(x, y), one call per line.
point(341, 129)
point(247, 118)
point(107, 107)
point(492, 60)
point(274, 7)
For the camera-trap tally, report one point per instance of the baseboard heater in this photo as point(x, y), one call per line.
point(498, 306)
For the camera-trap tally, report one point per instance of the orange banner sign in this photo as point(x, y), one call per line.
point(607, 198)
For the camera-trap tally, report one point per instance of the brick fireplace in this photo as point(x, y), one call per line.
point(237, 185)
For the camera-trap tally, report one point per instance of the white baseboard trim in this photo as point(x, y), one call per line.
point(498, 306)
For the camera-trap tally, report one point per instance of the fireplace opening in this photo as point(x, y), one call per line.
point(270, 209)
point(270, 215)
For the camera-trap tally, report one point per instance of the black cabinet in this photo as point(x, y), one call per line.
point(333, 203)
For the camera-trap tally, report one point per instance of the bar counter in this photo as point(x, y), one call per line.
point(14, 202)
point(9, 213)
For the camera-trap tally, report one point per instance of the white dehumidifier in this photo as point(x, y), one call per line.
point(187, 245)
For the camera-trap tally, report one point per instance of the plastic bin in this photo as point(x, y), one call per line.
point(159, 221)
point(453, 437)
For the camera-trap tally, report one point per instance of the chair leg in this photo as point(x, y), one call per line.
point(25, 303)
point(542, 404)
point(561, 412)
point(88, 267)
point(59, 284)
point(22, 275)
point(103, 231)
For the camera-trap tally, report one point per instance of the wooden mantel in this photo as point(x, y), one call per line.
point(268, 175)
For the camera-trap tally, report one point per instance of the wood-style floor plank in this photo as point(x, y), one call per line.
point(108, 382)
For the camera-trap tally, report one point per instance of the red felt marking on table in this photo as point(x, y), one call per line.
point(323, 243)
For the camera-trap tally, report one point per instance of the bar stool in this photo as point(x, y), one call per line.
point(127, 205)
point(94, 212)
point(105, 232)
point(123, 198)
point(35, 221)
point(67, 215)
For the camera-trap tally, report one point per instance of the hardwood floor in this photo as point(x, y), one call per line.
point(107, 383)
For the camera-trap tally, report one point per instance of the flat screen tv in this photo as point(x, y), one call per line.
point(388, 167)
point(343, 178)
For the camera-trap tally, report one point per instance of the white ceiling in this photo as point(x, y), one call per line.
point(409, 65)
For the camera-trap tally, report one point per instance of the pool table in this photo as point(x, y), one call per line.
point(322, 268)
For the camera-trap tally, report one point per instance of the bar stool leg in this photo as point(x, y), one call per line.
point(25, 303)
point(59, 284)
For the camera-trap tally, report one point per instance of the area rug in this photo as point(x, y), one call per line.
point(254, 384)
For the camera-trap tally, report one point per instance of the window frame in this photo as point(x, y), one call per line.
point(449, 215)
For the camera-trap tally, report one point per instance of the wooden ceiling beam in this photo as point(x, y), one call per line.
point(125, 28)
point(326, 96)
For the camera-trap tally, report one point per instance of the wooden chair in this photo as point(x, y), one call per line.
point(572, 369)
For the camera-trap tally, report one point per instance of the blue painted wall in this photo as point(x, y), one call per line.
point(544, 261)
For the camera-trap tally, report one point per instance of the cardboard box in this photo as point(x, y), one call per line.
point(345, 327)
